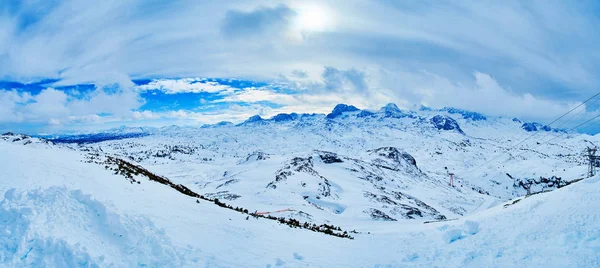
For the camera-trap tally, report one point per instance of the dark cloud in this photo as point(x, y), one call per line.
point(262, 20)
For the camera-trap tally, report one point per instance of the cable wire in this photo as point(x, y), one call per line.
point(535, 133)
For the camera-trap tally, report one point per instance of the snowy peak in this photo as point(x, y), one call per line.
point(392, 111)
point(219, 124)
point(365, 113)
point(22, 139)
point(253, 120)
point(285, 117)
point(469, 115)
point(425, 108)
point(126, 130)
point(9, 136)
point(279, 118)
point(530, 127)
point(465, 114)
point(444, 122)
point(445, 119)
point(534, 126)
point(341, 109)
point(390, 107)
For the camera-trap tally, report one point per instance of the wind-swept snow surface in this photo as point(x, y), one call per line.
point(58, 210)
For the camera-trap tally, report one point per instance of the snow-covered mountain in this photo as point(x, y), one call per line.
point(378, 175)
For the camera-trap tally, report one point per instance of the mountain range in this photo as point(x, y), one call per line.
point(352, 173)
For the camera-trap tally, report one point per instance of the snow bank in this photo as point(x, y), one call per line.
point(57, 227)
point(471, 227)
point(453, 235)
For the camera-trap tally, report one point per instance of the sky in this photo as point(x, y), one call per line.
point(88, 65)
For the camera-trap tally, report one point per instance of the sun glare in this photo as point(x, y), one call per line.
point(312, 18)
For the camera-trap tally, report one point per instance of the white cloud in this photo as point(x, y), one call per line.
point(56, 107)
point(119, 103)
point(139, 115)
point(80, 41)
point(9, 100)
point(185, 85)
point(49, 103)
point(91, 118)
point(54, 122)
point(259, 94)
point(483, 94)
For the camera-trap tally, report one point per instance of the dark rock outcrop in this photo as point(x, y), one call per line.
point(329, 157)
point(377, 214)
point(442, 122)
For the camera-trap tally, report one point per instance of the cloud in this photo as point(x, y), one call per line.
point(258, 22)
point(309, 96)
point(185, 85)
point(348, 80)
point(299, 74)
point(9, 101)
point(54, 107)
point(91, 118)
point(253, 95)
point(144, 115)
point(369, 88)
point(486, 95)
point(527, 46)
point(529, 56)
point(49, 103)
point(409, 90)
point(118, 103)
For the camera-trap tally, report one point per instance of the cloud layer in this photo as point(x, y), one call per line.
point(531, 60)
point(259, 22)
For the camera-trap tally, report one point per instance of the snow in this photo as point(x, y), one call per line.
point(331, 206)
point(59, 210)
point(471, 227)
point(453, 235)
point(39, 232)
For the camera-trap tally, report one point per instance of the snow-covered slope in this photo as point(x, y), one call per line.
point(278, 163)
point(225, 194)
point(58, 209)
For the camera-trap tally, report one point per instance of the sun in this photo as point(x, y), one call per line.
point(312, 18)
